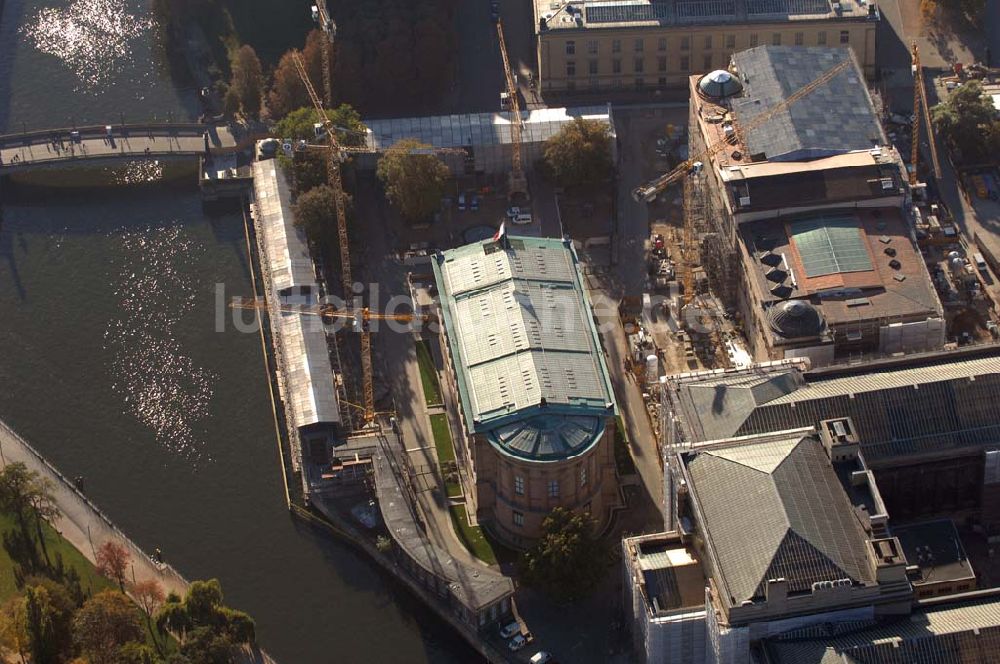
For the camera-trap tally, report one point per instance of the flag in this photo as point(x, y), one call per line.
point(501, 232)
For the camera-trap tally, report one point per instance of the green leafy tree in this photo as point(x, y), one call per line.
point(247, 80)
point(48, 611)
point(965, 120)
point(414, 182)
point(299, 124)
point(567, 561)
point(209, 631)
point(315, 211)
point(579, 156)
point(28, 497)
point(106, 623)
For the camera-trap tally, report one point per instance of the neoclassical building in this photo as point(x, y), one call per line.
point(537, 407)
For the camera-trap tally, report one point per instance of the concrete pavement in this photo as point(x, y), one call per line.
point(81, 523)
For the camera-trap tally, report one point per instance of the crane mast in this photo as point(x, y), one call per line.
point(920, 111)
point(329, 29)
point(518, 182)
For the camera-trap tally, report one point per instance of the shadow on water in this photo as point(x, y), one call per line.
point(10, 18)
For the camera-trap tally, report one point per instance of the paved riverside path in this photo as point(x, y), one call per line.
point(30, 150)
point(80, 522)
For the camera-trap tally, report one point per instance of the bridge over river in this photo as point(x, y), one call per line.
point(54, 147)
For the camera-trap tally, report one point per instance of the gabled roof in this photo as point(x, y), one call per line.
point(919, 406)
point(775, 509)
point(964, 632)
point(835, 118)
point(522, 339)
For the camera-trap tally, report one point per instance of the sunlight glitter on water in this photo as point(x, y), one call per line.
point(159, 384)
point(94, 38)
point(137, 172)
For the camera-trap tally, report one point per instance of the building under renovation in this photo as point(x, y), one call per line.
point(485, 138)
point(812, 243)
point(537, 406)
point(817, 503)
point(307, 381)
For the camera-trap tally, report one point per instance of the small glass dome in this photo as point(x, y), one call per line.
point(720, 83)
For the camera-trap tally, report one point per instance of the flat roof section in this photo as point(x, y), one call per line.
point(935, 547)
point(597, 14)
point(831, 244)
point(895, 287)
point(672, 575)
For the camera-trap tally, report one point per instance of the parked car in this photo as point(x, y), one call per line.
point(509, 630)
point(461, 201)
point(495, 10)
point(517, 643)
point(540, 657)
point(474, 204)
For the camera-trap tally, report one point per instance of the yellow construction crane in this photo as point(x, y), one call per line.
point(920, 109)
point(361, 319)
point(329, 29)
point(650, 190)
point(518, 182)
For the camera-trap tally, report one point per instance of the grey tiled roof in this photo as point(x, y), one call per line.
point(929, 407)
point(835, 118)
point(965, 632)
point(776, 509)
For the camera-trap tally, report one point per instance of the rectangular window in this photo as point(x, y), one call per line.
point(553, 488)
point(616, 45)
point(616, 66)
point(685, 63)
point(617, 83)
point(661, 63)
point(583, 476)
point(593, 83)
point(592, 66)
point(663, 81)
point(845, 37)
point(571, 48)
point(571, 68)
point(592, 46)
point(799, 39)
point(640, 83)
point(570, 85)
point(685, 43)
point(821, 38)
point(776, 39)
point(518, 485)
point(730, 41)
point(753, 39)
point(708, 42)
point(661, 44)
point(637, 66)
point(639, 45)
point(518, 519)
point(708, 62)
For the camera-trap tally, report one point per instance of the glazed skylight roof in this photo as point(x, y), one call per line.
point(831, 245)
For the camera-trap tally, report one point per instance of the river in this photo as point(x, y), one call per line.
point(111, 364)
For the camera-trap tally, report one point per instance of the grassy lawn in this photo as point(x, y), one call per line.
point(472, 536)
point(428, 374)
point(89, 578)
point(445, 450)
point(623, 458)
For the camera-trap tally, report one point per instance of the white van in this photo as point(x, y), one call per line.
point(979, 261)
